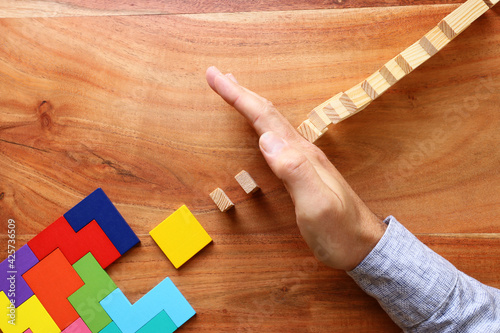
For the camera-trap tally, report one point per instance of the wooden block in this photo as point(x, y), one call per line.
point(491, 3)
point(221, 200)
point(437, 38)
point(319, 119)
point(378, 83)
point(369, 89)
point(427, 46)
point(78, 326)
point(164, 297)
point(53, 280)
point(309, 131)
point(415, 55)
point(447, 30)
point(160, 323)
point(461, 18)
point(74, 246)
point(30, 315)
point(395, 69)
point(403, 64)
point(180, 236)
point(97, 286)
point(98, 207)
point(246, 182)
point(355, 99)
point(22, 261)
point(334, 109)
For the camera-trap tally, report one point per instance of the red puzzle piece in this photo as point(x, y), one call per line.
point(73, 245)
point(52, 280)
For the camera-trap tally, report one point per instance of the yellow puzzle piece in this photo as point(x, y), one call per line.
point(31, 314)
point(180, 236)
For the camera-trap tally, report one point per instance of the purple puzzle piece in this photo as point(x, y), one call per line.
point(24, 260)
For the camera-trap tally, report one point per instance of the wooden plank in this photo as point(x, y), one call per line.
point(58, 8)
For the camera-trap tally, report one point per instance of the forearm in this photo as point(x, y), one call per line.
point(423, 292)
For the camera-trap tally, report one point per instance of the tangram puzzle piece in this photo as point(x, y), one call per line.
point(111, 328)
point(74, 245)
point(161, 323)
point(180, 236)
point(30, 315)
point(24, 259)
point(164, 297)
point(53, 280)
point(221, 200)
point(246, 182)
point(98, 207)
point(97, 286)
point(78, 326)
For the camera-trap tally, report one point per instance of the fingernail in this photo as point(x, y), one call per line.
point(271, 143)
point(215, 69)
point(231, 76)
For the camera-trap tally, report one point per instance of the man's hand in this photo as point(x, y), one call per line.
point(335, 223)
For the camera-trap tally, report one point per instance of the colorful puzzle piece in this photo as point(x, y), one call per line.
point(30, 315)
point(97, 286)
point(98, 207)
point(180, 236)
point(51, 295)
point(53, 280)
point(161, 323)
point(78, 326)
point(111, 328)
point(74, 245)
point(165, 296)
point(23, 260)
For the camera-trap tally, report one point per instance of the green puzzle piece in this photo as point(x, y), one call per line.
point(97, 286)
point(161, 323)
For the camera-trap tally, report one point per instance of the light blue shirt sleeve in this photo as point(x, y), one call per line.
point(423, 292)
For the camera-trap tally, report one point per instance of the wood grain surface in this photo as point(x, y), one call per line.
point(120, 102)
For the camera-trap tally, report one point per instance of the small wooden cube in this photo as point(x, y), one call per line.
point(246, 182)
point(221, 200)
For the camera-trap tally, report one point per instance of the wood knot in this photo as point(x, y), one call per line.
point(44, 110)
point(2, 195)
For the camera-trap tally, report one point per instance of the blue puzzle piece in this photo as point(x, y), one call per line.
point(111, 328)
point(11, 273)
point(161, 323)
point(98, 207)
point(165, 296)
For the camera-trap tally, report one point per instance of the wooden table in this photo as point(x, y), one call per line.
point(114, 96)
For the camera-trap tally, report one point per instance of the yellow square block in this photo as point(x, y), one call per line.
point(180, 236)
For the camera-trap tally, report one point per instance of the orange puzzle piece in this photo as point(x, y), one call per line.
point(53, 280)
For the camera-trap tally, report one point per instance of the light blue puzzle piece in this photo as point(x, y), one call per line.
point(111, 328)
point(161, 323)
point(165, 296)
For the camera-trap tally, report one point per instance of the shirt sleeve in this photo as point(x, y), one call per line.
point(423, 292)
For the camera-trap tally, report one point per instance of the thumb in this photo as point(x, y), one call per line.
point(294, 169)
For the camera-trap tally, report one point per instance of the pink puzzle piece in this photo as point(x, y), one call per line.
point(78, 326)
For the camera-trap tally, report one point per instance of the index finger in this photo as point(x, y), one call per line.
point(261, 114)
